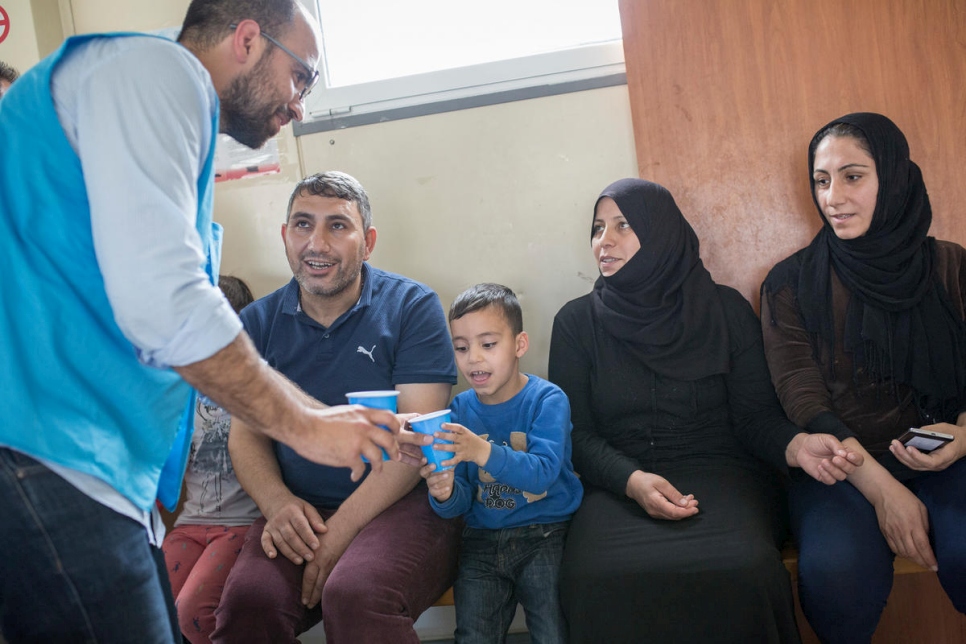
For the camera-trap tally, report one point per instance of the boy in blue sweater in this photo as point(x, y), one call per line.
point(513, 482)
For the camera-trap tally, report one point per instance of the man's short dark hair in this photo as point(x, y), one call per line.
point(206, 22)
point(237, 292)
point(481, 296)
point(8, 73)
point(337, 185)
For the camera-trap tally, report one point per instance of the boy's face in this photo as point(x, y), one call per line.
point(488, 354)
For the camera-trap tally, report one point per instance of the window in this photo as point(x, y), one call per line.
point(388, 59)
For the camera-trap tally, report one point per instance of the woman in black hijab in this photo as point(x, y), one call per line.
point(865, 337)
point(672, 406)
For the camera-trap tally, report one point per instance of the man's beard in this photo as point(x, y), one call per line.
point(245, 116)
point(343, 279)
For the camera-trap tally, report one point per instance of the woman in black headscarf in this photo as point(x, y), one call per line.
point(671, 406)
point(865, 337)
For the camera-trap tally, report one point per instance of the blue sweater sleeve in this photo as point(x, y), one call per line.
point(539, 466)
point(528, 477)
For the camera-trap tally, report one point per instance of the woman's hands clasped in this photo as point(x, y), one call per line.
point(659, 498)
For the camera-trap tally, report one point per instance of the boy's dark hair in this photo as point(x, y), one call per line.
point(237, 292)
point(206, 21)
point(487, 294)
point(337, 185)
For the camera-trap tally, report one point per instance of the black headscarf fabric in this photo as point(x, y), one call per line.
point(662, 302)
point(899, 323)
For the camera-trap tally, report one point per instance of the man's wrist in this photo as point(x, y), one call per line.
point(277, 492)
point(336, 538)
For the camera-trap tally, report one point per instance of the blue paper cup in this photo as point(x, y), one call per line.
point(430, 424)
point(376, 400)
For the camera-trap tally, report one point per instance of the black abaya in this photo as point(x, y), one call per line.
point(713, 577)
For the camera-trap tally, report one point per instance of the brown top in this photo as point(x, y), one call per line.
point(854, 405)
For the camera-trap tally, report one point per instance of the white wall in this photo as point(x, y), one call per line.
point(19, 48)
point(125, 15)
point(500, 193)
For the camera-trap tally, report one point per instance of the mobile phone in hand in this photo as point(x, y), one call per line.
point(924, 440)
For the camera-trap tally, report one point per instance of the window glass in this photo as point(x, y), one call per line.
point(370, 41)
point(389, 59)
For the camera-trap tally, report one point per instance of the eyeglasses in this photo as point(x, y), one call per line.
point(312, 77)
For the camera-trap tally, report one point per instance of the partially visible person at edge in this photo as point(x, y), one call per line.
point(210, 528)
point(366, 558)
point(7, 76)
point(865, 337)
point(110, 313)
point(671, 406)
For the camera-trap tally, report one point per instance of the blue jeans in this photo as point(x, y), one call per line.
point(844, 563)
point(73, 570)
point(497, 569)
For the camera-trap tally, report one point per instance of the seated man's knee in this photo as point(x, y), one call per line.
point(255, 610)
point(243, 593)
point(349, 596)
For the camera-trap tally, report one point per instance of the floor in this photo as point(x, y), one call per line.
point(436, 626)
point(515, 638)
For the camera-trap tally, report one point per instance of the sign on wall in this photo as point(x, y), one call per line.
point(4, 24)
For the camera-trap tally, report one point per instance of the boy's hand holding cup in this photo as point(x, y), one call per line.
point(453, 444)
point(440, 484)
point(439, 479)
point(466, 446)
point(430, 424)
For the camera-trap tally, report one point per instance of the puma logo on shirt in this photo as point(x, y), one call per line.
point(368, 353)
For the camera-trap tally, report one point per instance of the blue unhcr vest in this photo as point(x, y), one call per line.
point(72, 390)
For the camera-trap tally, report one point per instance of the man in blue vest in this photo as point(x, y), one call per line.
point(109, 309)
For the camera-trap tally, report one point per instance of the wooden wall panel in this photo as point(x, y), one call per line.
point(725, 95)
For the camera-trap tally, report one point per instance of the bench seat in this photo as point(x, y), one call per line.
point(902, 566)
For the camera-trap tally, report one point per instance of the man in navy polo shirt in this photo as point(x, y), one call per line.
point(372, 552)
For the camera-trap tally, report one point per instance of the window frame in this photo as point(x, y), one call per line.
point(547, 74)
